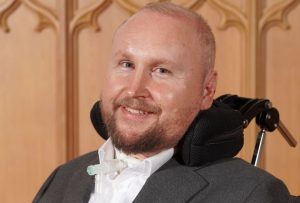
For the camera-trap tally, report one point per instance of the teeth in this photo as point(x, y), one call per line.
point(134, 111)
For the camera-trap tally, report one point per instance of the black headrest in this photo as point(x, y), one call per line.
point(214, 134)
point(97, 120)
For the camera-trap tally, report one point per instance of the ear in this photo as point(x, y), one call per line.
point(209, 89)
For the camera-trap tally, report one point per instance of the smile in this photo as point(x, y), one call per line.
point(135, 111)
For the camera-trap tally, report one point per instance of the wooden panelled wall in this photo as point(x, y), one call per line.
point(52, 61)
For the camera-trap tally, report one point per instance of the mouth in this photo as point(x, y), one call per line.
point(136, 111)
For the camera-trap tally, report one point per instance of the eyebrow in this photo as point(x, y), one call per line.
point(158, 60)
point(120, 53)
point(153, 61)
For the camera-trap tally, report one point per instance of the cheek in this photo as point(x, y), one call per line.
point(180, 104)
point(112, 87)
point(175, 97)
point(110, 92)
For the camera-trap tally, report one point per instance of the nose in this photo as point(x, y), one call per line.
point(138, 85)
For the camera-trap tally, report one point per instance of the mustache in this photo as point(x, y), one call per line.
point(136, 103)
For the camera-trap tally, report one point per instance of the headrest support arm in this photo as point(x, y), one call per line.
point(267, 117)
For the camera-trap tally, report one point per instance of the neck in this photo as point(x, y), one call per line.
point(145, 155)
point(141, 156)
point(138, 156)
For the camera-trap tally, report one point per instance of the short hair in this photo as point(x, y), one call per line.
point(206, 37)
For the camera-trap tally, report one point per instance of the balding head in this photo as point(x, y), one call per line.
point(204, 34)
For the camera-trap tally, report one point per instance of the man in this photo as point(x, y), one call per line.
point(160, 75)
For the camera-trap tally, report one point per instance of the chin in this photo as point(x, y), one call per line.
point(130, 137)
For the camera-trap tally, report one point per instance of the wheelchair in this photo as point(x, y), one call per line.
point(211, 137)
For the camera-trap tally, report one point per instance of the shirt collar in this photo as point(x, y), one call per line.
point(106, 151)
point(147, 166)
point(156, 161)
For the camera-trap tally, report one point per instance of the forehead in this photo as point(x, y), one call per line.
point(151, 31)
point(154, 26)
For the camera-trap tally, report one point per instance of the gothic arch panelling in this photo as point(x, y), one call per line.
point(47, 16)
point(253, 23)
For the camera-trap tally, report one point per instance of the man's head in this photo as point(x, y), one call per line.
point(160, 76)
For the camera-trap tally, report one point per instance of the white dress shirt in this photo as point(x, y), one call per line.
point(124, 186)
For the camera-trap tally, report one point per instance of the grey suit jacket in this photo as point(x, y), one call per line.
point(228, 180)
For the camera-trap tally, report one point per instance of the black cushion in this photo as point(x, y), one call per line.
point(215, 133)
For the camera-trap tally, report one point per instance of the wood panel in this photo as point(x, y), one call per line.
point(32, 126)
point(93, 54)
point(53, 57)
point(282, 87)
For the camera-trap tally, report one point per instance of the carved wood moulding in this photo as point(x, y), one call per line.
point(133, 6)
point(87, 17)
point(6, 9)
point(230, 15)
point(46, 15)
point(276, 14)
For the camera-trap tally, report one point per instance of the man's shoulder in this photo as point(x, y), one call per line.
point(238, 180)
point(231, 168)
point(63, 173)
point(226, 180)
point(71, 176)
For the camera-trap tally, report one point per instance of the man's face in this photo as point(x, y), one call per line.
point(155, 84)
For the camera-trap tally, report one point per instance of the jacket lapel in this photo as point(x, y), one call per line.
point(80, 191)
point(172, 183)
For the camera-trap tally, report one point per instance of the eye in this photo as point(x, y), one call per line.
point(127, 64)
point(162, 71)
